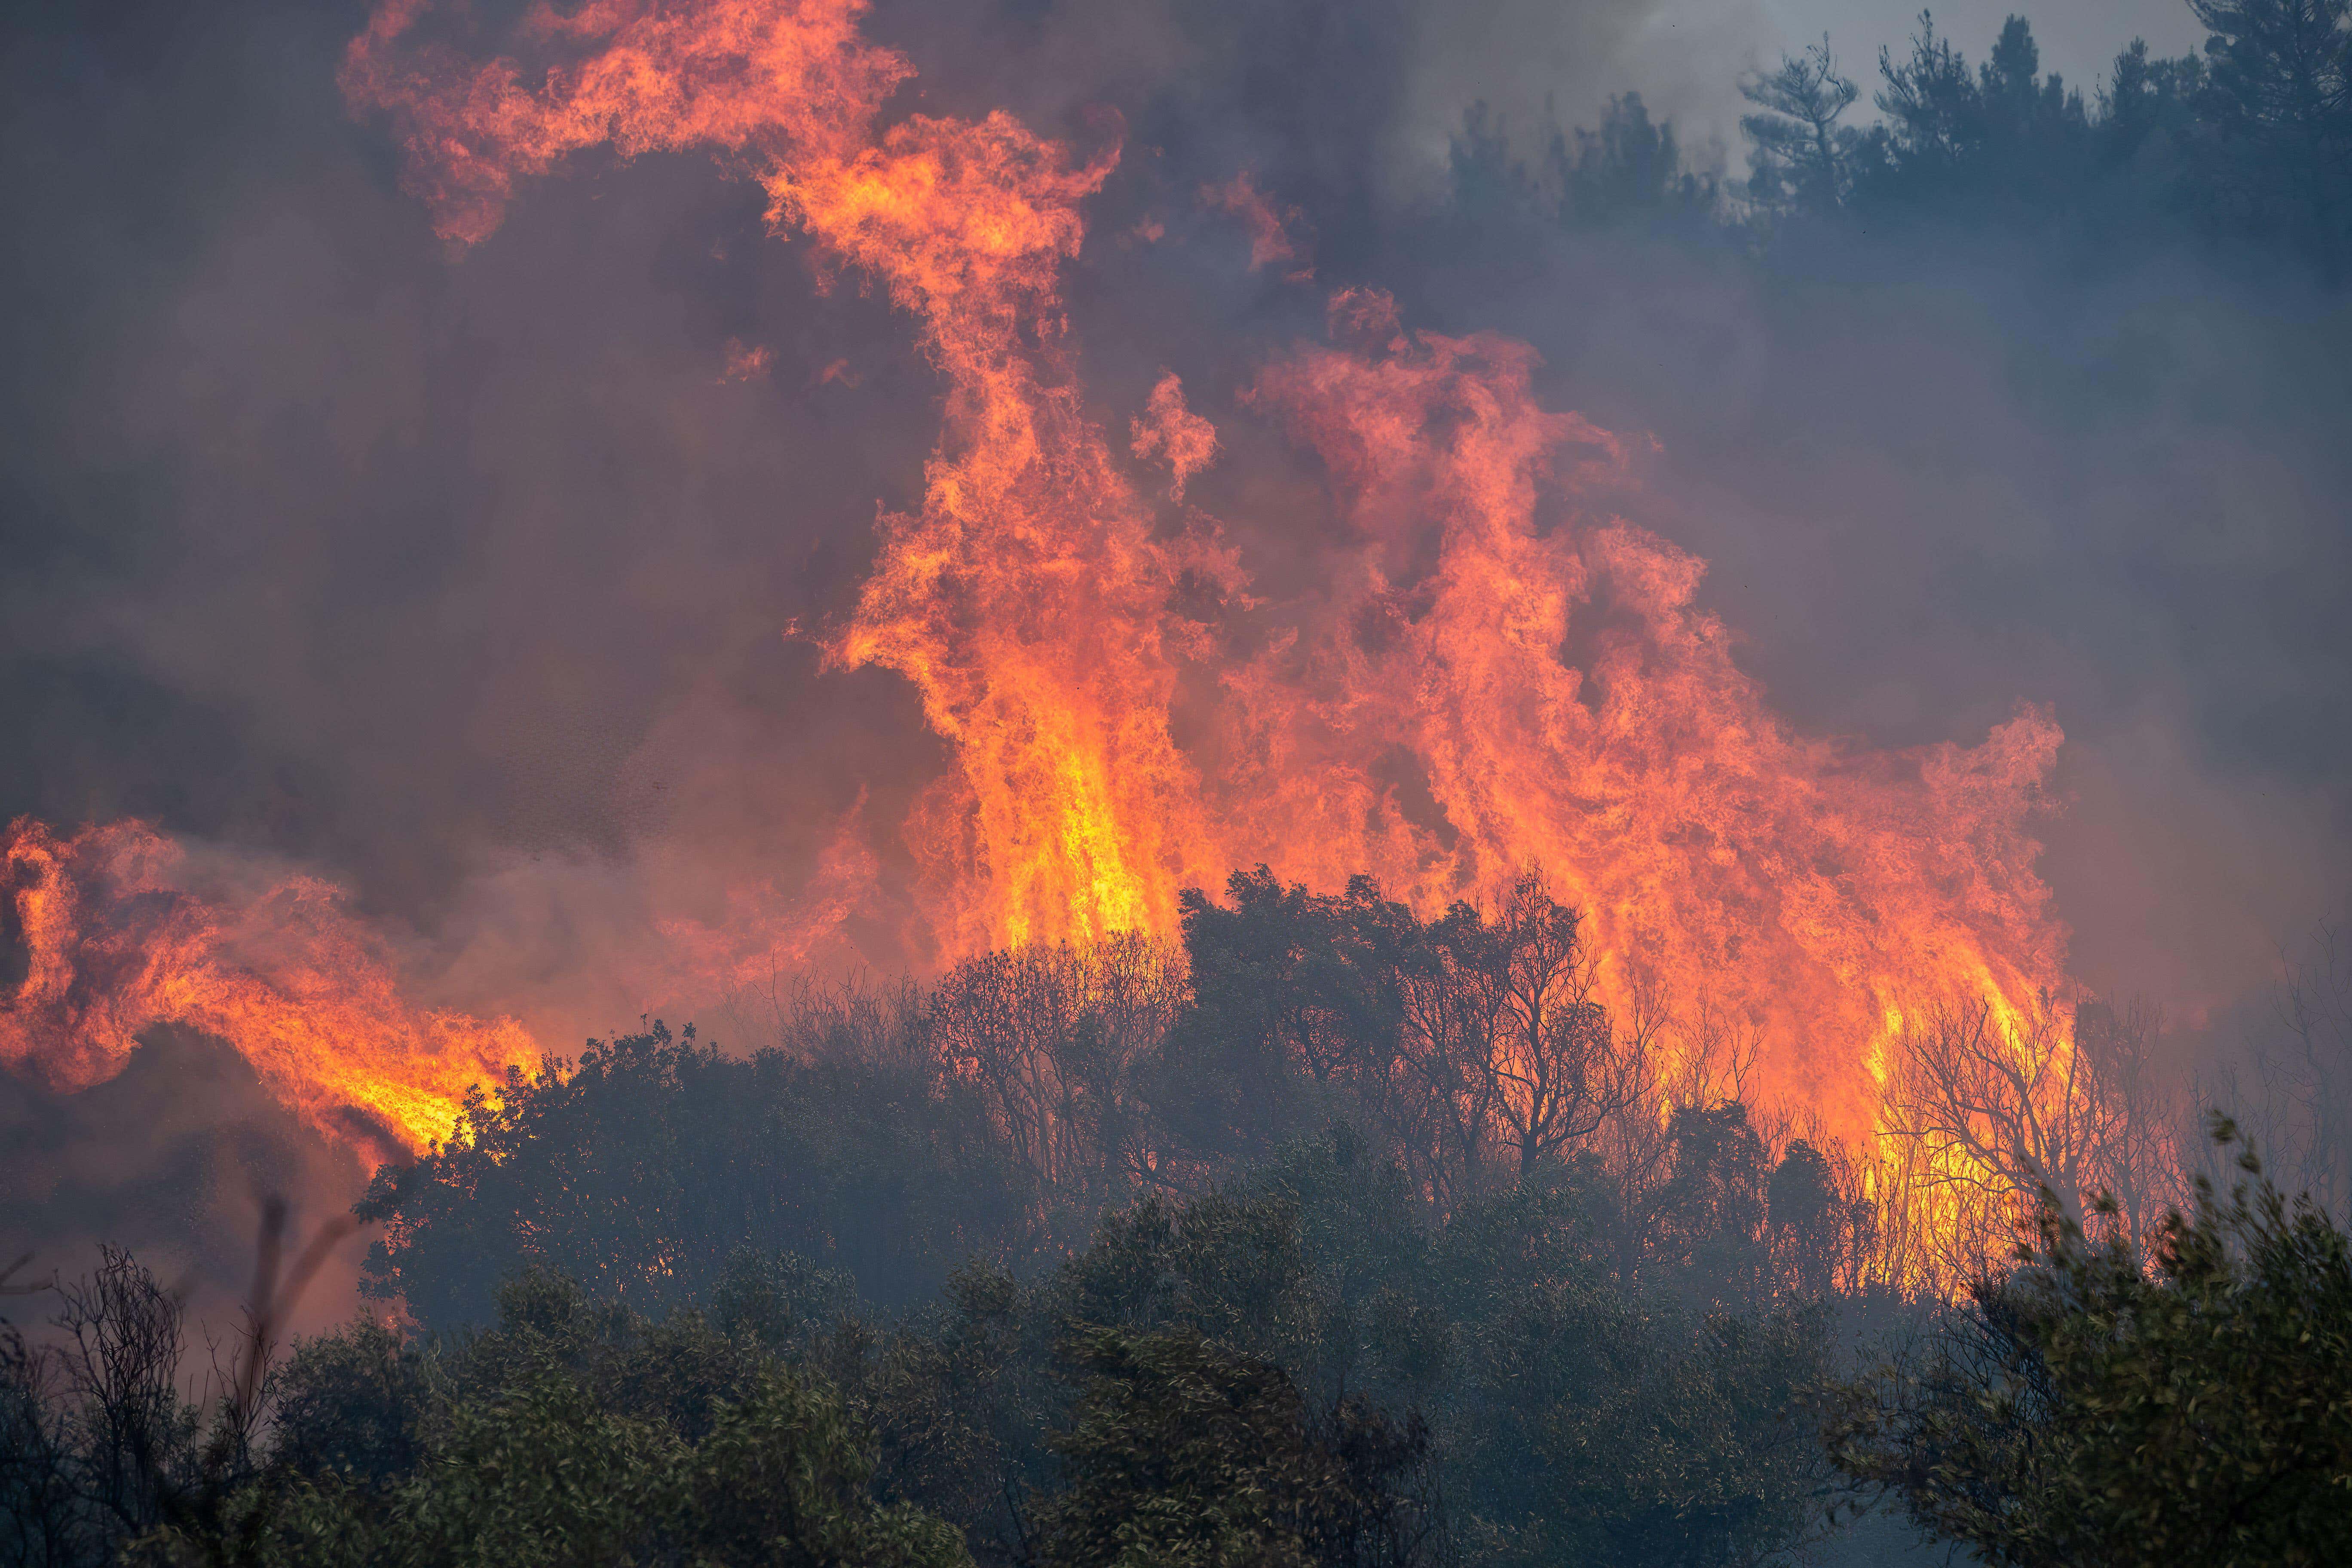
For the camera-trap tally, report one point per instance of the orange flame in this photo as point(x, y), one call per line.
point(120, 932)
point(1275, 236)
point(1168, 429)
point(1071, 804)
point(1566, 705)
point(1469, 694)
point(1472, 688)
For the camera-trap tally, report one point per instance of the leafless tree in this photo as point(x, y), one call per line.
point(1673, 1055)
point(123, 1335)
point(2003, 1106)
point(2141, 1130)
point(1909, 1252)
point(43, 1521)
point(1503, 1058)
point(101, 1448)
point(1053, 1037)
point(857, 1018)
point(1560, 1068)
point(1442, 1098)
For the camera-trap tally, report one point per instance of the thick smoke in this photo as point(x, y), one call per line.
point(173, 1160)
point(469, 581)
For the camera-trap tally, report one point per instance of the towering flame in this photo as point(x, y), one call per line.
point(1569, 707)
point(1026, 598)
point(1471, 688)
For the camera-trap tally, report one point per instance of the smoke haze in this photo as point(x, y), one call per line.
point(482, 583)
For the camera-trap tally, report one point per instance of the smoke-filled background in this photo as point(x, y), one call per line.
point(481, 582)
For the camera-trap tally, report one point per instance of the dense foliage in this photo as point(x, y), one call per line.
point(571, 1432)
point(1184, 1451)
point(1007, 1268)
point(893, 1135)
point(1466, 1275)
point(1295, 1367)
point(639, 1169)
point(2195, 1406)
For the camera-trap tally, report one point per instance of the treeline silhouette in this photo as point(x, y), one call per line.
point(1340, 1237)
point(893, 1131)
point(2243, 149)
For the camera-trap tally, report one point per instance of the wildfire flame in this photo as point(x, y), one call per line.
point(1273, 241)
point(1810, 887)
point(1490, 674)
point(120, 931)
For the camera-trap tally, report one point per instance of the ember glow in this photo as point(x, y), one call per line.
point(1495, 672)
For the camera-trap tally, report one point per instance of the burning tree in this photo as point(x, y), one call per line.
point(2188, 1403)
point(2003, 1108)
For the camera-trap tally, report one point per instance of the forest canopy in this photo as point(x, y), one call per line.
point(1342, 1233)
point(1359, 1238)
